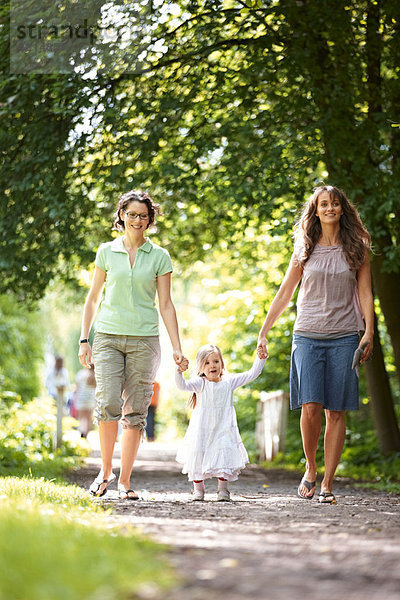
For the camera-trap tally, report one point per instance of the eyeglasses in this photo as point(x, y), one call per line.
point(132, 215)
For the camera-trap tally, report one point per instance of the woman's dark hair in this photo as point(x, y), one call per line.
point(353, 235)
point(135, 196)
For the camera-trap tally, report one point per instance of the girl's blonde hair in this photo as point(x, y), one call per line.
point(353, 235)
point(201, 357)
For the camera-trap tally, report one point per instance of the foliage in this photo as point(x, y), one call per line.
point(21, 341)
point(240, 107)
point(365, 462)
point(386, 486)
point(55, 543)
point(387, 349)
point(42, 221)
point(61, 311)
point(26, 439)
point(221, 110)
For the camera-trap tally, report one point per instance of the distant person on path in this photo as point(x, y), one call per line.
point(331, 256)
point(151, 415)
point(126, 349)
point(84, 398)
point(212, 446)
point(57, 377)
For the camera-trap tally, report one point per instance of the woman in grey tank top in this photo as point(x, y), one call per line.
point(335, 303)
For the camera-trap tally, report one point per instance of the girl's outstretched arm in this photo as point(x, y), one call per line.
point(195, 384)
point(238, 379)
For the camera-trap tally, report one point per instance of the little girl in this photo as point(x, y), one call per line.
point(212, 446)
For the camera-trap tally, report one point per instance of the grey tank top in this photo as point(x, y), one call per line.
point(328, 303)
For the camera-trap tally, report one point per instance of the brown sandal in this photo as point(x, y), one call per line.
point(309, 485)
point(326, 498)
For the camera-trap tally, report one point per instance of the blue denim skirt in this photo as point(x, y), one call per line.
point(320, 371)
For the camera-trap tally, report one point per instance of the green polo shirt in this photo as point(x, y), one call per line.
point(128, 305)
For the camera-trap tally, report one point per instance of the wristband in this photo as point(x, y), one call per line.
point(85, 341)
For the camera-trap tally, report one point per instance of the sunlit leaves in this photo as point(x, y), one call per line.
point(231, 105)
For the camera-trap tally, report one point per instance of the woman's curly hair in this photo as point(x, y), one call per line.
point(135, 196)
point(353, 235)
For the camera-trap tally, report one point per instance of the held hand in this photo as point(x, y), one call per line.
point(85, 355)
point(262, 351)
point(366, 339)
point(181, 361)
point(183, 365)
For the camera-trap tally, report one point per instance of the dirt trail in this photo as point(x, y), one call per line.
point(267, 543)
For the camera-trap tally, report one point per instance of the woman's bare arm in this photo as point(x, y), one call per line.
point(89, 312)
point(279, 304)
point(367, 306)
point(168, 313)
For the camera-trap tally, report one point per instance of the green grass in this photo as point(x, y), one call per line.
point(56, 543)
point(41, 491)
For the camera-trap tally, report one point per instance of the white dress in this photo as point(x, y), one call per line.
point(212, 446)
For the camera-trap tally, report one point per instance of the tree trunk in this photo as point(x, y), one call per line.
point(381, 399)
point(387, 288)
point(386, 285)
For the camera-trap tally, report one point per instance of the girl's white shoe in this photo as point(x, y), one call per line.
point(197, 495)
point(223, 496)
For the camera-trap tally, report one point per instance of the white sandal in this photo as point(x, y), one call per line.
point(98, 482)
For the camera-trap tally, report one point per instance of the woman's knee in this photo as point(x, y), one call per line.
point(311, 410)
point(335, 416)
point(108, 409)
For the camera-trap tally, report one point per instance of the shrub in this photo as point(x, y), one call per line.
point(26, 438)
point(21, 343)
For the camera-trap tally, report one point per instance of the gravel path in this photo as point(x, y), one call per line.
point(267, 543)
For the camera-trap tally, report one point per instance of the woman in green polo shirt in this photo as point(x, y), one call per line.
point(126, 350)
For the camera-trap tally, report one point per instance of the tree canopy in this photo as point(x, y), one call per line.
point(233, 107)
